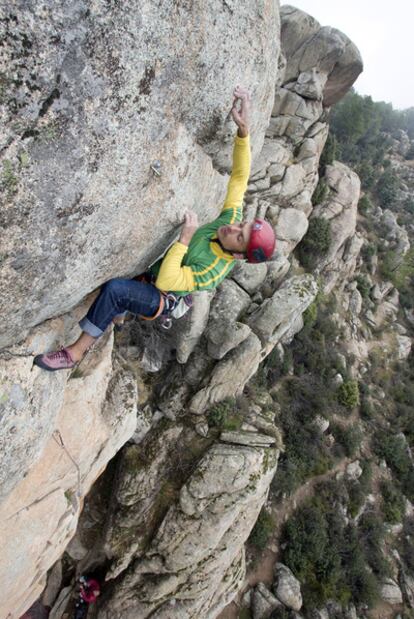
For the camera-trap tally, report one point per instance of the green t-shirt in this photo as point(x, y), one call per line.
point(209, 263)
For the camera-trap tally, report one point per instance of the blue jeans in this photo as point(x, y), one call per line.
point(119, 296)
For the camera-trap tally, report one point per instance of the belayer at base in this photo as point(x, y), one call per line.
point(199, 260)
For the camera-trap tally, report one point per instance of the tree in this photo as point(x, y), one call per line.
point(386, 188)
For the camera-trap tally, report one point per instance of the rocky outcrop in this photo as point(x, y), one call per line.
point(321, 64)
point(323, 61)
point(195, 563)
point(340, 208)
point(396, 235)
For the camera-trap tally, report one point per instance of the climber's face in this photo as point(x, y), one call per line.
point(235, 237)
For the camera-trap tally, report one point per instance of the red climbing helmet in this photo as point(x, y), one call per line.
point(262, 242)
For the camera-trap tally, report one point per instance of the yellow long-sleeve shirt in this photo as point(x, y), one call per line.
point(203, 264)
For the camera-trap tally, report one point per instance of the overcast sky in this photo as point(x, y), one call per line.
point(383, 32)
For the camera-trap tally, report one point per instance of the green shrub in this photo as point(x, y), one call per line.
point(363, 286)
point(371, 536)
point(410, 153)
point(328, 154)
point(320, 193)
point(409, 205)
point(8, 178)
point(394, 449)
point(393, 504)
point(364, 204)
point(368, 251)
point(366, 409)
point(316, 241)
point(326, 554)
point(310, 315)
point(408, 545)
point(225, 415)
point(368, 175)
point(349, 438)
point(281, 613)
point(262, 530)
point(348, 394)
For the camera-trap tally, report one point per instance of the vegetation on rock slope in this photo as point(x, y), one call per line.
point(343, 540)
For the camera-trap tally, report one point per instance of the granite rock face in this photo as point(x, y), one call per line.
point(115, 123)
point(93, 95)
point(40, 514)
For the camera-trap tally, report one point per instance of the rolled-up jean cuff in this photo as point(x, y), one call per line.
point(89, 328)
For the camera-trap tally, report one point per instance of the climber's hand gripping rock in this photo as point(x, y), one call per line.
point(240, 112)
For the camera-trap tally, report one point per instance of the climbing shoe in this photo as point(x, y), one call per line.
point(58, 360)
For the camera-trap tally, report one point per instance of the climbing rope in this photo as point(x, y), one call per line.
point(59, 440)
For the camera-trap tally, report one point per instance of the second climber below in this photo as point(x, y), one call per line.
point(199, 260)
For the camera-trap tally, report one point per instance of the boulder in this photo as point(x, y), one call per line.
point(381, 290)
point(254, 439)
point(390, 592)
point(340, 207)
point(273, 319)
point(225, 336)
point(404, 344)
point(230, 375)
point(287, 587)
point(196, 324)
point(249, 276)
point(354, 470)
point(277, 268)
point(229, 302)
point(407, 586)
point(263, 602)
point(311, 84)
point(321, 423)
point(142, 473)
point(61, 603)
point(291, 227)
point(355, 303)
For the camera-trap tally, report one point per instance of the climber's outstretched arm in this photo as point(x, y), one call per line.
point(241, 152)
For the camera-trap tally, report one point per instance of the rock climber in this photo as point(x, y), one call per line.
point(90, 589)
point(199, 260)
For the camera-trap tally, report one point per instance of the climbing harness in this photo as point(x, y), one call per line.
point(171, 305)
